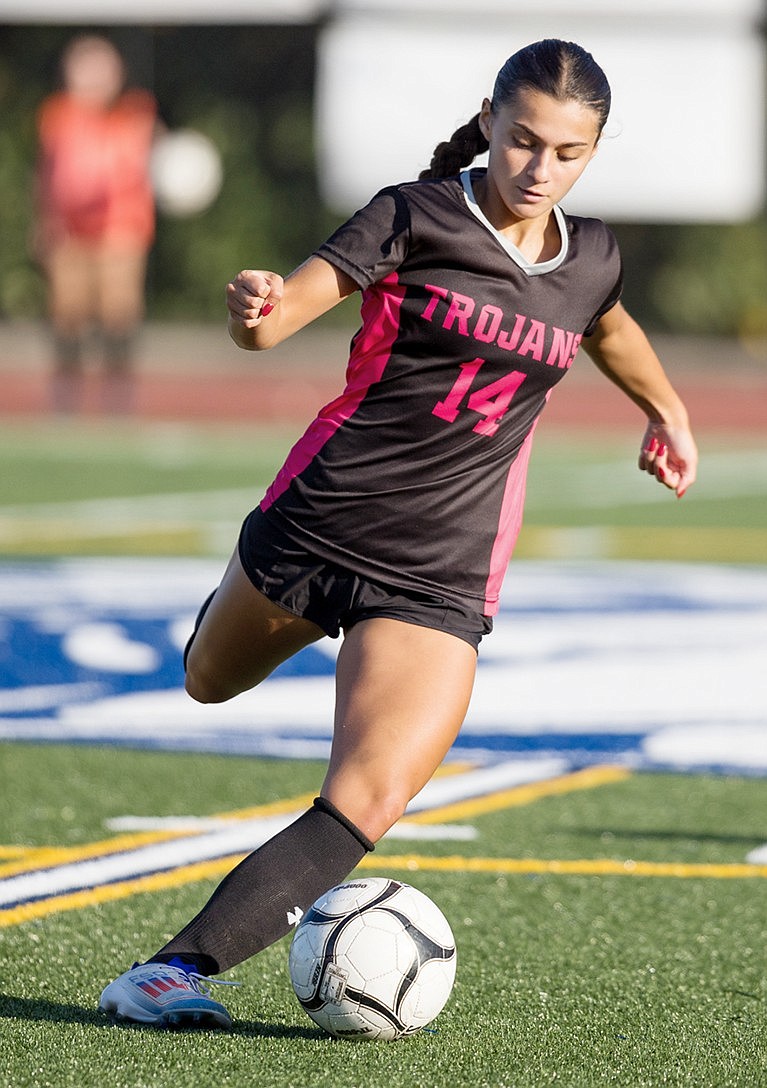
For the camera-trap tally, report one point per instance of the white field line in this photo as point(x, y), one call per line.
point(188, 824)
point(722, 475)
point(131, 516)
point(131, 506)
point(242, 836)
point(47, 696)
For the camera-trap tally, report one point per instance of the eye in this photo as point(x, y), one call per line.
point(569, 156)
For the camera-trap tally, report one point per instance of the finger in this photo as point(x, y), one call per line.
point(647, 454)
point(235, 296)
point(274, 293)
point(685, 480)
point(245, 307)
point(245, 295)
point(262, 304)
point(249, 289)
point(251, 281)
point(674, 478)
point(672, 470)
point(252, 295)
point(256, 313)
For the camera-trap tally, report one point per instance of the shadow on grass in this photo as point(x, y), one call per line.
point(24, 1008)
point(35, 1009)
point(251, 1029)
point(663, 835)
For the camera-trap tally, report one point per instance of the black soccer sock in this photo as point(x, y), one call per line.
point(68, 352)
point(257, 903)
point(67, 385)
point(118, 351)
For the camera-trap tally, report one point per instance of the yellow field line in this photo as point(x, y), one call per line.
point(590, 778)
point(587, 779)
point(36, 858)
point(106, 893)
point(31, 858)
point(42, 857)
point(409, 863)
point(575, 867)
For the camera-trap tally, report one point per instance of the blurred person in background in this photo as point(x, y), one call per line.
point(95, 217)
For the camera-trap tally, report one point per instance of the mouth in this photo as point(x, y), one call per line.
point(531, 196)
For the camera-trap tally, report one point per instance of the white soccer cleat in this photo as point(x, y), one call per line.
point(165, 997)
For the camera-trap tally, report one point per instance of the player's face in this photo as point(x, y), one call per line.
point(539, 147)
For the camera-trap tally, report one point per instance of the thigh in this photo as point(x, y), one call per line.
point(121, 276)
point(71, 282)
point(402, 694)
point(242, 637)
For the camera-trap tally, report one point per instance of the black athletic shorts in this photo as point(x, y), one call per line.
point(335, 598)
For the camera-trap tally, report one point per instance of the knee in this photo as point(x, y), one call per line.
point(384, 814)
point(373, 807)
point(204, 688)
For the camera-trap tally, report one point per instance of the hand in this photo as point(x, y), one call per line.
point(251, 296)
point(669, 454)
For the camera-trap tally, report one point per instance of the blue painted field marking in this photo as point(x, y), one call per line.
point(642, 664)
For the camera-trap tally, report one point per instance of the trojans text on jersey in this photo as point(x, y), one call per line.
point(486, 324)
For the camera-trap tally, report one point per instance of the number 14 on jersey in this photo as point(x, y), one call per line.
point(490, 401)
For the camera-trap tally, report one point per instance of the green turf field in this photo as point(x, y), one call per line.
point(608, 935)
point(564, 977)
point(86, 487)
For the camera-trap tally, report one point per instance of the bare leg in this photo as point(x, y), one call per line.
point(242, 637)
point(120, 302)
point(69, 269)
point(402, 694)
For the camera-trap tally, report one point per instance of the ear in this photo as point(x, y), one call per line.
point(486, 119)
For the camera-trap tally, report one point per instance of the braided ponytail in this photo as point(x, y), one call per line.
point(460, 150)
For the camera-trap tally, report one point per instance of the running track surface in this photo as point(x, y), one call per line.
point(198, 375)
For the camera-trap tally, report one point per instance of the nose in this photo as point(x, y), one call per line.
point(538, 167)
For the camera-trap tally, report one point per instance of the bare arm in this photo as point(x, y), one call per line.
point(624, 354)
point(264, 309)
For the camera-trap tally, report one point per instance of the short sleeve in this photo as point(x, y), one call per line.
point(609, 301)
point(374, 241)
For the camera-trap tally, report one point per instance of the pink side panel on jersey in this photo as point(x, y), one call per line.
point(371, 351)
point(509, 523)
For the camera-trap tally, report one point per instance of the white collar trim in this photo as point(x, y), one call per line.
point(530, 268)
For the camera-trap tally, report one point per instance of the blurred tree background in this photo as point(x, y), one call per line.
point(249, 88)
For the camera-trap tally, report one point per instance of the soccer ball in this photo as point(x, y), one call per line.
point(373, 959)
point(186, 172)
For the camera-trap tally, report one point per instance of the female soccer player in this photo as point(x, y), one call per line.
point(394, 516)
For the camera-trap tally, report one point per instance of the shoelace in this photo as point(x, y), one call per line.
point(202, 983)
point(197, 980)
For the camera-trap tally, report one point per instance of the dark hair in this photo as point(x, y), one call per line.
point(562, 70)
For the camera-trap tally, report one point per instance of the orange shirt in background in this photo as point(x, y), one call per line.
point(94, 170)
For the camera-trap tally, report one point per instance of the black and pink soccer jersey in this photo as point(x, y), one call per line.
point(415, 474)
